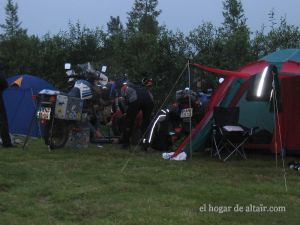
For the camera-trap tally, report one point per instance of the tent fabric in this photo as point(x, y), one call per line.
point(20, 104)
point(222, 72)
point(255, 67)
point(290, 68)
point(291, 124)
point(284, 55)
point(285, 132)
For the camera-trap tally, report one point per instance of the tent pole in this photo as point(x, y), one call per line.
point(190, 106)
point(277, 124)
point(35, 105)
point(275, 121)
point(34, 118)
point(29, 129)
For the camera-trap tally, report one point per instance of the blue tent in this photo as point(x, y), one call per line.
point(21, 105)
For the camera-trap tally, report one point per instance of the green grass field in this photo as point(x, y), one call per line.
point(88, 186)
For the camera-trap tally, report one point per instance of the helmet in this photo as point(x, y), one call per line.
point(147, 82)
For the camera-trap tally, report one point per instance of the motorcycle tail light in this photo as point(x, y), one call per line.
point(52, 99)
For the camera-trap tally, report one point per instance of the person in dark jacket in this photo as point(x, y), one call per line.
point(6, 141)
point(138, 98)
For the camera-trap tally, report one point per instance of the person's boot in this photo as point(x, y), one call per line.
point(8, 145)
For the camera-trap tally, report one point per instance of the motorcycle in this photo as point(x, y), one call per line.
point(61, 113)
point(189, 109)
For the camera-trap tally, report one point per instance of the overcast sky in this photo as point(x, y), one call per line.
point(42, 16)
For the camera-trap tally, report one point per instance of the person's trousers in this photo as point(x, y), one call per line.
point(4, 125)
point(131, 114)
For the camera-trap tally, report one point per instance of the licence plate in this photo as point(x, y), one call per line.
point(186, 113)
point(44, 113)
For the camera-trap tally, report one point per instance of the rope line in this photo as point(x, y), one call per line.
point(190, 119)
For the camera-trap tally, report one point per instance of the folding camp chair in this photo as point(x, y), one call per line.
point(228, 136)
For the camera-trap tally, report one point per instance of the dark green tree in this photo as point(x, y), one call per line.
point(114, 47)
point(114, 26)
point(142, 38)
point(234, 35)
point(84, 44)
point(203, 44)
point(12, 24)
point(272, 18)
point(258, 48)
point(77, 45)
point(20, 54)
point(281, 35)
point(53, 54)
point(143, 17)
point(18, 51)
point(234, 17)
point(173, 55)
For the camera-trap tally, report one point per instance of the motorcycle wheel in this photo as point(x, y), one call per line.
point(57, 135)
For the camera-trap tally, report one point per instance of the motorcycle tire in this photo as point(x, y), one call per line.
point(56, 136)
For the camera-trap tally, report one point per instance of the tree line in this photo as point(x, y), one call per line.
point(141, 47)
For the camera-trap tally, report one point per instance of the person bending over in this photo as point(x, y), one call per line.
point(138, 98)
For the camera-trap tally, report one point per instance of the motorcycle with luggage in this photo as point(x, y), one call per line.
point(61, 113)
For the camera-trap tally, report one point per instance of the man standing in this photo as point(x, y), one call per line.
point(4, 131)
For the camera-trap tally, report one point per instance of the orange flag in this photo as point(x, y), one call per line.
point(17, 82)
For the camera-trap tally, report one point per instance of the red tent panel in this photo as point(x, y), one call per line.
point(255, 67)
point(226, 73)
point(290, 67)
point(291, 112)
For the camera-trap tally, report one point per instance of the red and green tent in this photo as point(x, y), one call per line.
point(277, 130)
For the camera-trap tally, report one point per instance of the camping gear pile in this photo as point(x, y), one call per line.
point(175, 121)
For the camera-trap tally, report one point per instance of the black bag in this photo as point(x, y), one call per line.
point(161, 139)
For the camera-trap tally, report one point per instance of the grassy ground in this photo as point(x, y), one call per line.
point(88, 186)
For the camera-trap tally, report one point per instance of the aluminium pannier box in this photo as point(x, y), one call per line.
point(68, 108)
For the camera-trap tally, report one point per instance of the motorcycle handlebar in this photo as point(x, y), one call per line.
point(84, 76)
